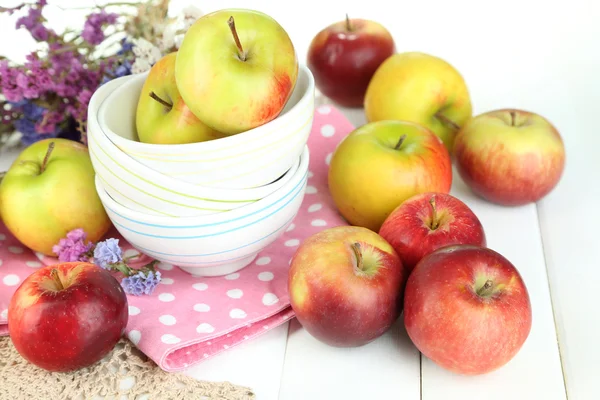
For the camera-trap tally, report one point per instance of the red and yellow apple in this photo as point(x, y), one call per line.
point(381, 164)
point(48, 191)
point(162, 117)
point(67, 316)
point(236, 69)
point(344, 56)
point(427, 222)
point(421, 88)
point(467, 309)
point(346, 286)
point(510, 157)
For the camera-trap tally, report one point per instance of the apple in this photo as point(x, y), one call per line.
point(67, 316)
point(346, 285)
point(162, 117)
point(236, 69)
point(428, 221)
point(344, 56)
point(467, 309)
point(381, 164)
point(510, 157)
point(421, 88)
point(48, 191)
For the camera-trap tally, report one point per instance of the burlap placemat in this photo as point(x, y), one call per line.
point(124, 374)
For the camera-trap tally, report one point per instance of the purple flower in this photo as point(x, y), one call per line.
point(73, 247)
point(93, 27)
point(107, 252)
point(141, 283)
point(33, 22)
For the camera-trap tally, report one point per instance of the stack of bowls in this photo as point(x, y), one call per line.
point(208, 207)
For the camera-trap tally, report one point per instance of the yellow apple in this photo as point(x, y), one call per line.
point(48, 191)
point(421, 88)
point(381, 164)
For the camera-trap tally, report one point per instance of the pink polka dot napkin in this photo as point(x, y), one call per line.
point(189, 319)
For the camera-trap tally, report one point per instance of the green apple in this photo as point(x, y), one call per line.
point(162, 117)
point(421, 88)
point(48, 191)
point(381, 164)
point(236, 69)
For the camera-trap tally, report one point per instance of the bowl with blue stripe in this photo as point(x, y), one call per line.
point(249, 159)
point(214, 244)
point(146, 190)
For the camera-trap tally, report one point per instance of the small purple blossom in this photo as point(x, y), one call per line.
point(33, 22)
point(141, 283)
point(73, 247)
point(107, 252)
point(93, 32)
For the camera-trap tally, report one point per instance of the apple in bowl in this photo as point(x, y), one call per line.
point(344, 56)
point(346, 286)
point(236, 69)
point(510, 157)
point(429, 221)
point(467, 309)
point(67, 316)
point(162, 117)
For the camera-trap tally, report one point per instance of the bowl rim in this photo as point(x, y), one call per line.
point(164, 183)
point(291, 189)
point(188, 149)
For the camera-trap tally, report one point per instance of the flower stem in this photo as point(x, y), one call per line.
point(47, 157)
point(241, 53)
point(121, 267)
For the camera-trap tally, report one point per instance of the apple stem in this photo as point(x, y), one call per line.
point(47, 157)
point(348, 24)
point(161, 101)
point(447, 121)
point(400, 141)
point(512, 118)
point(54, 274)
point(434, 219)
point(241, 53)
point(2, 175)
point(358, 255)
point(486, 289)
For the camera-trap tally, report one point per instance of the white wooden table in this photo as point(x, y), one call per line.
point(541, 55)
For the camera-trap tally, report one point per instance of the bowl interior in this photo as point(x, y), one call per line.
point(120, 113)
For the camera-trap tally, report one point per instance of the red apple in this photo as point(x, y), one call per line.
point(510, 157)
point(344, 56)
point(428, 221)
point(345, 285)
point(467, 309)
point(67, 316)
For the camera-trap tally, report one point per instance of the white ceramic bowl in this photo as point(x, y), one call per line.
point(216, 244)
point(145, 190)
point(246, 160)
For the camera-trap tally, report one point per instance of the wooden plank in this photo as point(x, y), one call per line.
point(386, 366)
point(569, 222)
point(256, 364)
point(535, 372)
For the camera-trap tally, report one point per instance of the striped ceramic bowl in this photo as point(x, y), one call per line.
point(143, 189)
point(216, 244)
point(250, 159)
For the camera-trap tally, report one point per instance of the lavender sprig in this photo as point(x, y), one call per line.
point(108, 255)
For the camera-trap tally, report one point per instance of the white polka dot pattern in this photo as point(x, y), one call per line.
point(201, 316)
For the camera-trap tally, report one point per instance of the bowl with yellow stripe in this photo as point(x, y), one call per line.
point(143, 189)
point(215, 244)
point(249, 159)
